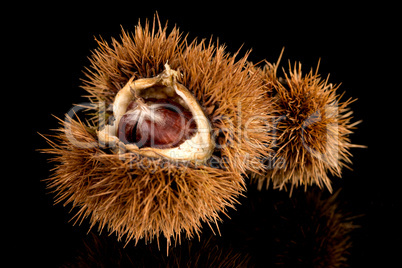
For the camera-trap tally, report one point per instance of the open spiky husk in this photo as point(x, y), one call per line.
point(141, 197)
point(230, 91)
point(311, 130)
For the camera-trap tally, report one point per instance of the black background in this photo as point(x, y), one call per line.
point(356, 46)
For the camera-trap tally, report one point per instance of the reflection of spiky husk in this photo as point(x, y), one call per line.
point(105, 251)
point(312, 129)
point(312, 231)
point(143, 197)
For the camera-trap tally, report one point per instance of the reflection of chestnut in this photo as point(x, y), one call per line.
point(158, 124)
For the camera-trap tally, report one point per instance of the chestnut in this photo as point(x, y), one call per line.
point(161, 124)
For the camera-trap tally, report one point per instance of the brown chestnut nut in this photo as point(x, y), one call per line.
point(158, 124)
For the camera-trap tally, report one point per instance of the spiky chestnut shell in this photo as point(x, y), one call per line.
point(147, 196)
point(311, 130)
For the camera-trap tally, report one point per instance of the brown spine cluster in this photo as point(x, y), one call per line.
point(311, 129)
